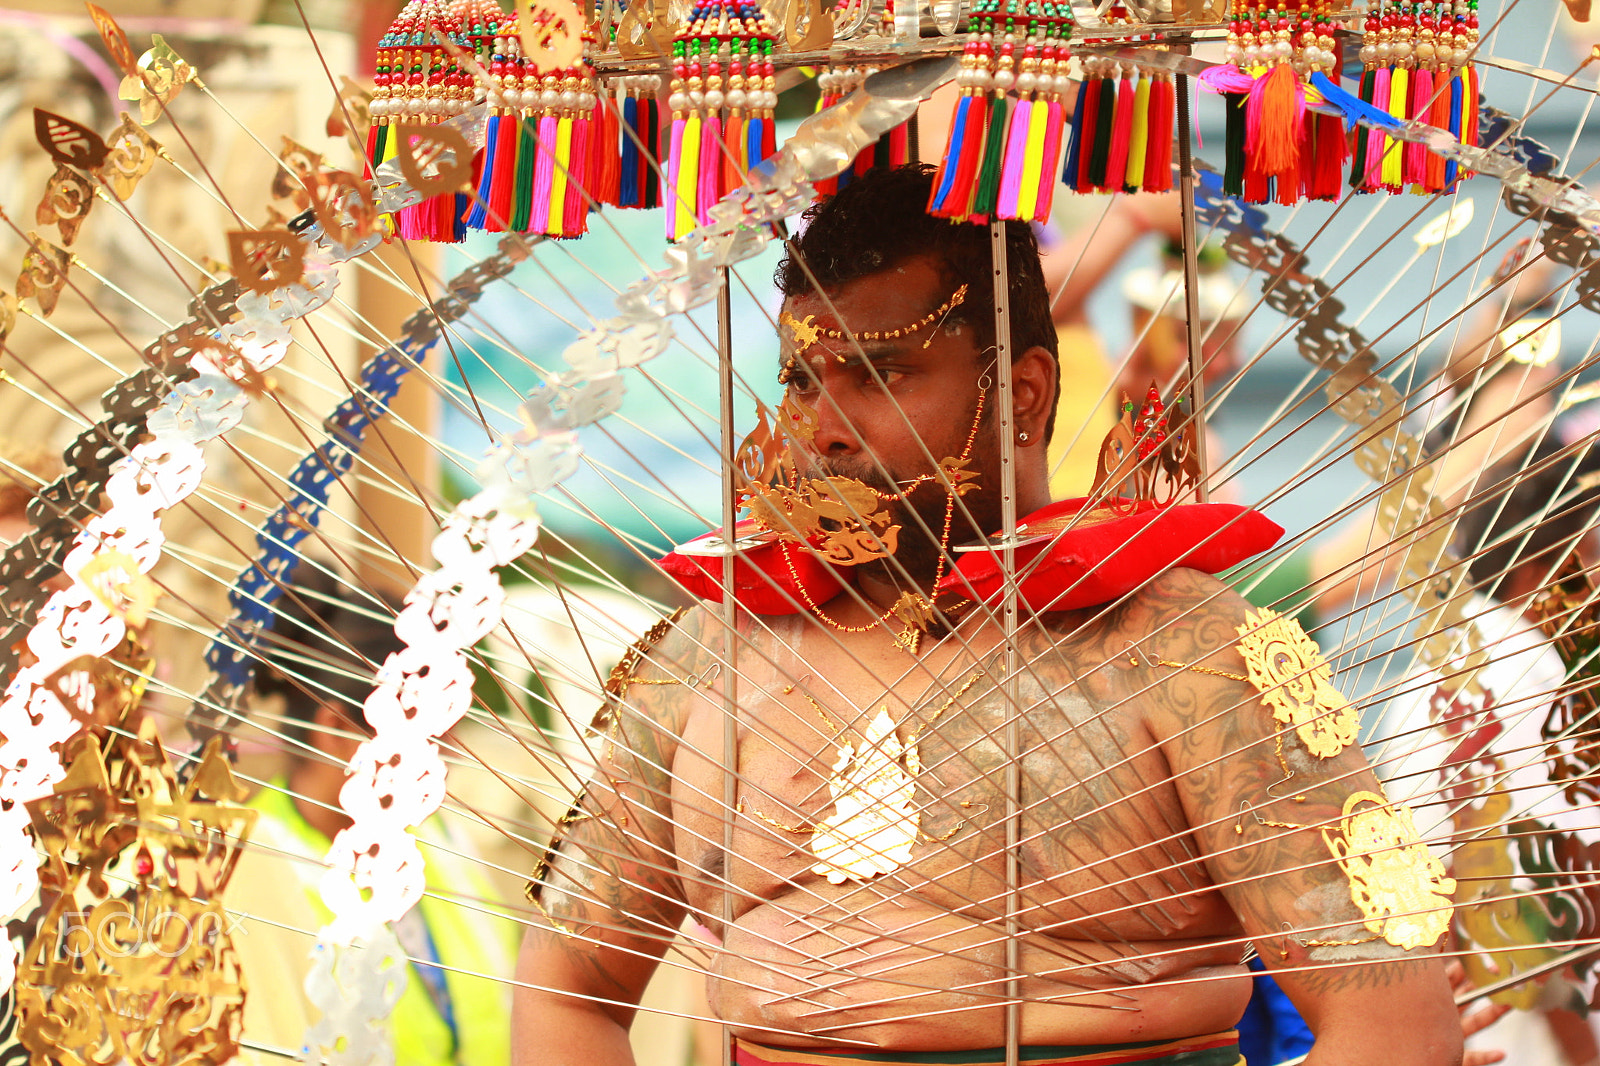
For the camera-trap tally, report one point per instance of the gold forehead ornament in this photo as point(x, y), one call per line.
point(805, 332)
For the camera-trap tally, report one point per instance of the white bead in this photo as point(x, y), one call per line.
point(736, 98)
point(696, 98)
point(569, 99)
point(678, 102)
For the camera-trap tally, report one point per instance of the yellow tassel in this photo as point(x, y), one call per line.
point(558, 179)
point(1139, 143)
point(1399, 102)
point(1028, 195)
point(688, 178)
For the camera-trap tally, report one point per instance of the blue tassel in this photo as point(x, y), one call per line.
point(753, 132)
point(947, 177)
point(1069, 173)
point(1450, 165)
point(628, 187)
point(480, 207)
point(1353, 107)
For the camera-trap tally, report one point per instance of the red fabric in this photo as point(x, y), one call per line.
point(762, 578)
point(1106, 555)
point(1102, 557)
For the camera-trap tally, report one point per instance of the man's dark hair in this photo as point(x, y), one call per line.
point(880, 220)
point(1554, 495)
point(323, 648)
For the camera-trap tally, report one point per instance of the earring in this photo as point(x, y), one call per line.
point(1022, 438)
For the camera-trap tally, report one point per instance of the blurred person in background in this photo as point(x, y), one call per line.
point(321, 655)
point(1526, 521)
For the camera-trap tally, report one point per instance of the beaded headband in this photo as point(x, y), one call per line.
point(805, 332)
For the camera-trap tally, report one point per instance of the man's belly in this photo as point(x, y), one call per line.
point(906, 976)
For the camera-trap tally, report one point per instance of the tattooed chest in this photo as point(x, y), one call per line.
point(886, 807)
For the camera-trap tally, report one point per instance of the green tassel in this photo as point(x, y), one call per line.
point(527, 159)
point(1233, 154)
point(994, 151)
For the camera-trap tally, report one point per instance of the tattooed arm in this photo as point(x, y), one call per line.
point(1296, 833)
point(607, 895)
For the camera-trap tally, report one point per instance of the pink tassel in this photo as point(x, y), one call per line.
point(1415, 161)
point(544, 172)
point(710, 168)
point(1376, 141)
point(1016, 155)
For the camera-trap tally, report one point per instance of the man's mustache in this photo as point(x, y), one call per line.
point(866, 472)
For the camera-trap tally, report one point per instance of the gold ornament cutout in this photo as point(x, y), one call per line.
point(1287, 668)
point(66, 203)
point(551, 32)
point(44, 274)
point(803, 332)
point(69, 143)
point(8, 315)
point(133, 155)
point(343, 208)
point(116, 41)
point(433, 159)
point(840, 518)
point(1398, 886)
point(133, 960)
point(266, 260)
point(161, 76)
point(291, 181)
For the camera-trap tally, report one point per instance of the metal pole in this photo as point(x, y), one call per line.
point(1011, 734)
point(730, 608)
point(1192, 325)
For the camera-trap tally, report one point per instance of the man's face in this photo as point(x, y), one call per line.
point(888, 428)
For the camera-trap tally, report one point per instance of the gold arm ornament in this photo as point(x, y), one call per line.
point(1395, 882)
point(1295, 681)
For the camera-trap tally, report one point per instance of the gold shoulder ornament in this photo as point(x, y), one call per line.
point(1396, 883)
point(1287, 668)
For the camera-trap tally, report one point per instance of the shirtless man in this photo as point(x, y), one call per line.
point(1158, 835)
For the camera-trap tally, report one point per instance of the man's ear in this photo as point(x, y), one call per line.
point(1033, 385)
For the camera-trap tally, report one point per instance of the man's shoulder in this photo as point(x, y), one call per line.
point(1176, 597)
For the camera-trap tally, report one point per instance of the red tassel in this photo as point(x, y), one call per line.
point(1090, 102)
point(1163, 120)
point(1331, 149)
point(960, 202)
point(1121, 134)
point(1438, 115)
point(503, 181)
point(580, 173)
